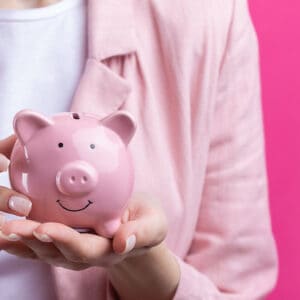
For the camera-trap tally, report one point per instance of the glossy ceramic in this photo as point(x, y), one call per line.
point(75, 168)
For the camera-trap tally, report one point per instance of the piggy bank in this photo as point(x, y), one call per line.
point(75, 168)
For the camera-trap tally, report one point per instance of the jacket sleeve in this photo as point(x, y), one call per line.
point(233, 253)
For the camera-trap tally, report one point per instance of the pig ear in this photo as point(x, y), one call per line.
point(27, 123)
point(122, 123)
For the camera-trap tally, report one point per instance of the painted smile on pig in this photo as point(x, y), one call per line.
point(74, 210)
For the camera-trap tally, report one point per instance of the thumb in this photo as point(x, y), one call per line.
point(7, 144)
point(4, 162)
point(146, 231)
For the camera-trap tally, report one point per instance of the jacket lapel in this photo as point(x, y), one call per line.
point(111, 32)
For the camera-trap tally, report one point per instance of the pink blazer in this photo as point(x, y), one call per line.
point(189, 73)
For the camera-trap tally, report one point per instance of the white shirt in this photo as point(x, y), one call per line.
point(42, 55)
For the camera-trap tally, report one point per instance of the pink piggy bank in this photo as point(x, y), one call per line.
point(75, 168)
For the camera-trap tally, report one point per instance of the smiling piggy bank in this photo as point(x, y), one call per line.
point(75, 168)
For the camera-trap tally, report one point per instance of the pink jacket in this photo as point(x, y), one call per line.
point(189, 73)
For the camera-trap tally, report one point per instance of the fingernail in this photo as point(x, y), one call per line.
point(4, 162)
point(11, 237)
point(130, 243)
point(20, 205)
point(43, 237)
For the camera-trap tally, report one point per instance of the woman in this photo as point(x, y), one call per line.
point(198, 224)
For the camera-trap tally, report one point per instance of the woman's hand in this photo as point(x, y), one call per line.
point(136, 252)
point(143, 226)
point(11, 201)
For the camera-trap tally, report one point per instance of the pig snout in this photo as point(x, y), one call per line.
point(76, 178)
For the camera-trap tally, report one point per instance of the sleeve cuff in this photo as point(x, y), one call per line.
point(192, 284)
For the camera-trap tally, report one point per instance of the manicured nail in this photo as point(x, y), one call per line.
point(4, 162)
point(130, 243)
point(43, 237)
point(11, 237)
point(20, 205)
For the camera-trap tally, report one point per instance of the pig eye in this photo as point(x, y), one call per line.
point(60, 145)
point(76, 116)
point(92, 146)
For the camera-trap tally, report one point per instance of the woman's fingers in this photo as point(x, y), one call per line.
point(7, 144)
point(16, 248)
point(15, 230)
point(17, 237)
point(10, 238)
point(148, 228)
point(4, 163)
point(13, 202)
point(76, 247)
point(20, 250)
point(22, 231)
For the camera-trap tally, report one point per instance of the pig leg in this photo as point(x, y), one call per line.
point(109, 228)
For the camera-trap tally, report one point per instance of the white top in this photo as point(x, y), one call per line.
point(42, 55)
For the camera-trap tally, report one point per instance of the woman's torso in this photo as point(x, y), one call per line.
point(172, 71)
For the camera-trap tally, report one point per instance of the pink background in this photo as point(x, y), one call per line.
point(278, 27)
